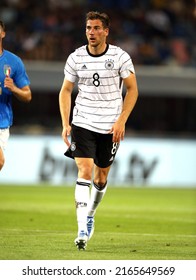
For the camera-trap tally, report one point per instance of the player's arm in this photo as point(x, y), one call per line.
point(23, 94)
point(65, 108)
point(130, 99)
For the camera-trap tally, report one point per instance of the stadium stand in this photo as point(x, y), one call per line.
point(156, 33)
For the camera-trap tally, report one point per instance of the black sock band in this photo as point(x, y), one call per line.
point(99, 188)
point(82, 183)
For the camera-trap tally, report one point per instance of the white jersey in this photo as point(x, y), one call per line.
point(99, 100)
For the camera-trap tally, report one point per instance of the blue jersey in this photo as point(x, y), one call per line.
point(12, 65)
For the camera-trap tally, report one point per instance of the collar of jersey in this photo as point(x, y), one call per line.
point(97, 55)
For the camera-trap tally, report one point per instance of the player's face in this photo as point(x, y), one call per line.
point(95, 32)
point(2, 33)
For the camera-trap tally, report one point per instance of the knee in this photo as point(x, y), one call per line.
point(100, 185)
point(85, 173)
point(100, 177)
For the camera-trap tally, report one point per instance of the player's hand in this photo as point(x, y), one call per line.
point(9, 83)
point(65, 133)
point(118, 131)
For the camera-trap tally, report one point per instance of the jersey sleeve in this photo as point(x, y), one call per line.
point(21, 78)
point(126, 65)
point(70, 69)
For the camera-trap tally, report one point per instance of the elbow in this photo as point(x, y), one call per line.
point(28, 97)
point(25, 96)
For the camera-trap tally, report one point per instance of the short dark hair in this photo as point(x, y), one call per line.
point(2, 25)
point(104, 18)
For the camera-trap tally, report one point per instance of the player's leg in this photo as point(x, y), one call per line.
point(4, 135)
point(82, 149)
point(85, 168)
point(99, 188)
point(105, 155)
point(106, 151)
point(98, 191)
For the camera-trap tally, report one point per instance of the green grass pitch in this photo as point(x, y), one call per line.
point(39, 223)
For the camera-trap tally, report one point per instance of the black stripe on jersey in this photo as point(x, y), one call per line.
point(88, 106)
point(104, 85)
point(70, 73)
point(71, 56)
point(102, 93)
point(129, 59)
point(93, 114)
point(102, 122)
point(68, 65)
point(123, 53)
point(93, 127)
point(125, 62)
point(95, 70)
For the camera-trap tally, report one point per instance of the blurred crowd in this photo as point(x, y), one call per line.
point(153, 32)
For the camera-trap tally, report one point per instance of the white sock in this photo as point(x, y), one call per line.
point(95, 199)
point(82, 200)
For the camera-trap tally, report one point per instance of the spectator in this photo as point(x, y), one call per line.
point(155, 28)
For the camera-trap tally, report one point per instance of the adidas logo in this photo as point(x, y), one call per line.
point(84, 67)
point(112, 158)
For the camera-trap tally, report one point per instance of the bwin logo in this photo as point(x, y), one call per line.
point(139, 170)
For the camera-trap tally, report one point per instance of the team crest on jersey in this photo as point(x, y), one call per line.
point(7, 70)
point(73, 146)
point(109, 64)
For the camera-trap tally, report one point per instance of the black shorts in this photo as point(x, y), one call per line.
point(90, 144)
